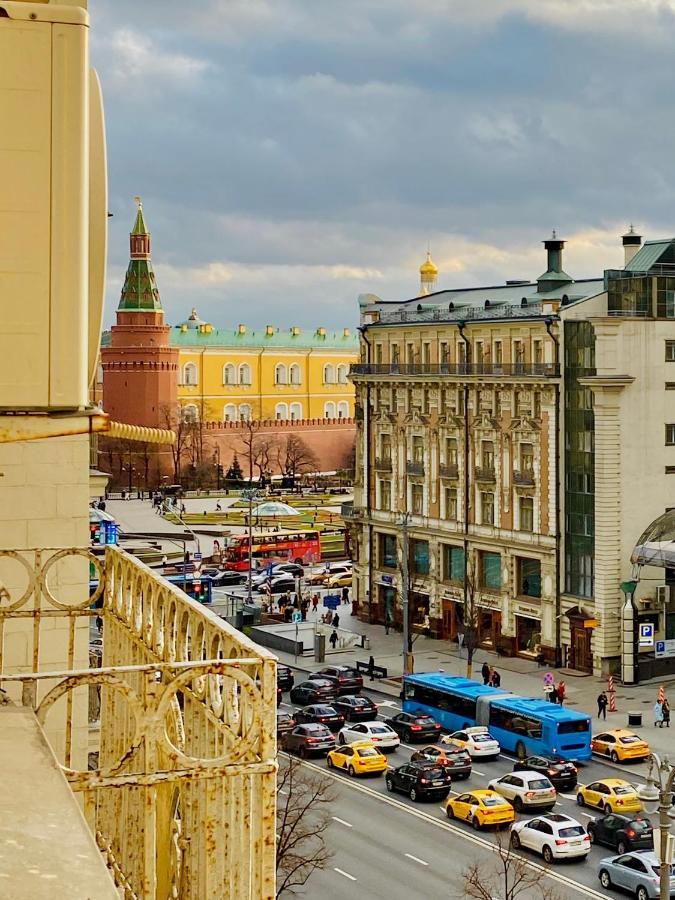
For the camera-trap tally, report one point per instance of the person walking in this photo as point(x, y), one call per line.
point(345, 595)
point(371, 668)
point(561, 692)
point(602, 704)
point(315, 602)
point(332, 640)
point(336, 620)
point(658, 715)
point(485, 672)
point(665, 709)
point(496, 679)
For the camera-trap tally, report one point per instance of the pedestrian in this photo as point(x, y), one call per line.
point(485, 672)
point(496, 679)
point(602, 704)
point(427, 626)
point(561, 692)
point(658, 715)
point(332, 640)
point(315, 602)
point(345, 595)
point(219, 508)
point(371, 668)
point(336, 620)
point(665, 708)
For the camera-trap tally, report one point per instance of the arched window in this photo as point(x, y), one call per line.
point(244, 373)
point(329, 374)
point(296, 411)
point(229, 374)
point(294, 374)
point(342, 374)
point(343, 410)
point(329, 410)
point(190, 413)
point(281, 411)
point(189, 373)
point(280, 375)
point(245, 412)
point(229, 412)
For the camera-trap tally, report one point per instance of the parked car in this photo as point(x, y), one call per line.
point(338, 571)
point(359, 758)
point(285, 677)
point(620, 745)
point(561, 773)
point(635, 872)
point(622, 833)
point(379, 733)
point(480, 808)
point(609, 795)
point(339, 579)
point(322, 715)
point(356, 709)
point(308, 740)
point(279, 584)
point(414, 726)
point(288, 570)
point(420, 779)
point(285, 722)
point(525, 789)
point(555, 836)
point(220, 578)
point(454, 756)
point(477, 741)
point(346, 679)
point(314, 691)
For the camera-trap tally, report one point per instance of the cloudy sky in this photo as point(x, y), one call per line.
point(292, 154)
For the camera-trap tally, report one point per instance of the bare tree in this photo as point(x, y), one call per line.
point(250, 440)
point(262, 456)
point(172, 416)
point(296, 457)
point(507, 876)
point(303, 816)
point(471, 611)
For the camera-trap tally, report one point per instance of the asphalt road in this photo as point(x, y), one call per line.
point(391, 845)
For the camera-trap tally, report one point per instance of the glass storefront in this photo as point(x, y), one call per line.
point(528, 635)
point(529, 577)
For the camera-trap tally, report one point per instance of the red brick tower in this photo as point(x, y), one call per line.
point(140, 369)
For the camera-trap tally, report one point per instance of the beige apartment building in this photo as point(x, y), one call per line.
point(526, 430)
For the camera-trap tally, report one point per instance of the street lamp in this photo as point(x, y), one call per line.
point(657, 793)
point(250, 494)
point(216, 456)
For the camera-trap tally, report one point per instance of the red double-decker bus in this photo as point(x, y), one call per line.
point(302, 547)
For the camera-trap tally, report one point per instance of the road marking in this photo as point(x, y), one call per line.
point(568, 796)
point(456, 830)
point(282, 791)
point(417, 859)
point(346, 874)
point(587, 816)
point(476, 772)
point(342, 822)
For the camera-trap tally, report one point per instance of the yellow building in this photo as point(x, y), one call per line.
point(229, 375)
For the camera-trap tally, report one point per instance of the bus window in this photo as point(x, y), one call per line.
point(515, 722)
point(574, 726)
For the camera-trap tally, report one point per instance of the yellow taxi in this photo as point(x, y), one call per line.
point(340, 579)
point(612, 795)
point(620, 745)
point(358, 758)
point(480, 808)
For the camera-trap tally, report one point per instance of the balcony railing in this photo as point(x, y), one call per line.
point(414, 468)
point(449, 471)
point(524, 477)
point(177, 765)
point(436, 370)
point(484, 473)
point(383, 464)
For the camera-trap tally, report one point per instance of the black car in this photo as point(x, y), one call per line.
point(322, 715)
point(560, 772)
point(285, 678)
point(281, 586)
point(315, 691)
point(219, 578)
point(451, 754)
point(356, 709)
point(414, 727)
point(420, 779)
point(309, 739)
point(622, 833)
point(346, 679)
point(285, 722)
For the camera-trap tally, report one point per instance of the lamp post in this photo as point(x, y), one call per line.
point(250, 494)
point(216, 456)
point(658, 792)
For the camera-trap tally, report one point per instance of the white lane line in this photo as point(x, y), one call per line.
point(342, 822)
point(476, 772)
point(346, 874)
point(587, 816)
point(417, 859)
point(282, 791)
point(568, 796)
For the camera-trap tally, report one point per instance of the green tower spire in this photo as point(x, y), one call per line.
point(140, 291)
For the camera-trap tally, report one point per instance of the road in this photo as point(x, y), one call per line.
point(387, 844)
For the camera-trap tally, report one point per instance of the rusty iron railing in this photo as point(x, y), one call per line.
point(180, 787)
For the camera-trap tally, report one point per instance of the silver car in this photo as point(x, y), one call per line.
point(636, 872)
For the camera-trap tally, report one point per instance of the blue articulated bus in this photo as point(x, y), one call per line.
point(198, 587)
point(522, 725)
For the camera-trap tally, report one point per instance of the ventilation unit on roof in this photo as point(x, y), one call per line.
point(419, 307)
point(451, 306)
point(565, 299)
point(523, 301)
point(487, 304)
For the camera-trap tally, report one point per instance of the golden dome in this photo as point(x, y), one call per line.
point(428, 267)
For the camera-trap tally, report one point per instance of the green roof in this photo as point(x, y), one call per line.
point(139, 224)
point(140, 292)
point(648, 255)
point(221, 337)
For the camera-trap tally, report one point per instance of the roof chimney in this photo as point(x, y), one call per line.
point(631, 244)
point(554, 276)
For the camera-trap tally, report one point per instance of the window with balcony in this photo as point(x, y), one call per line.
point(385, 447)
point(670, 435)
point(498, 353)
point(426, 354)
point(444, 352)
point(537, 352)
point(528, 575)
point(451, 454)
point(491, 571)
point(417, 498)
point(410, 353)
point(526, 514)
point(453, 563)
point(385, 494)
point(526, 458)
point(487, 508)
point(451, 503)
point(395, 354)
point(388, 552)
point(487, 456)
point(417, 448)
point(419, 557)
point(378, 354)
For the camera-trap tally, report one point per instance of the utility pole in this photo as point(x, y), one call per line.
point(250, 494)
point(408, 664)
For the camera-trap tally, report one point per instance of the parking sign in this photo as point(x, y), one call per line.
point(646, 634)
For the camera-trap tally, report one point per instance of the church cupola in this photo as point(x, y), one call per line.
point(428, 276)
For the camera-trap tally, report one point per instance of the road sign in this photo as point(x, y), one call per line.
point(196, 556)
point(387, 579)
point(664, 649)
point(297, 616)
point(646, 634)
point(331, 601)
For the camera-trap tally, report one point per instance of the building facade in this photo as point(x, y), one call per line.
point(502, 421)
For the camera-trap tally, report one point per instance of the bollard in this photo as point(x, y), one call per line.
point(611, 692)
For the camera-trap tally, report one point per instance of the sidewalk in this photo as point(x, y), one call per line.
point(522, 676)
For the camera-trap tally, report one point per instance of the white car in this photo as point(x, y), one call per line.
point(525, 789)
point(477, 741)
point(382, 735)
point(555, 836)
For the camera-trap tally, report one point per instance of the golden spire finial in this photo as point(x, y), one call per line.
point(139, 202)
